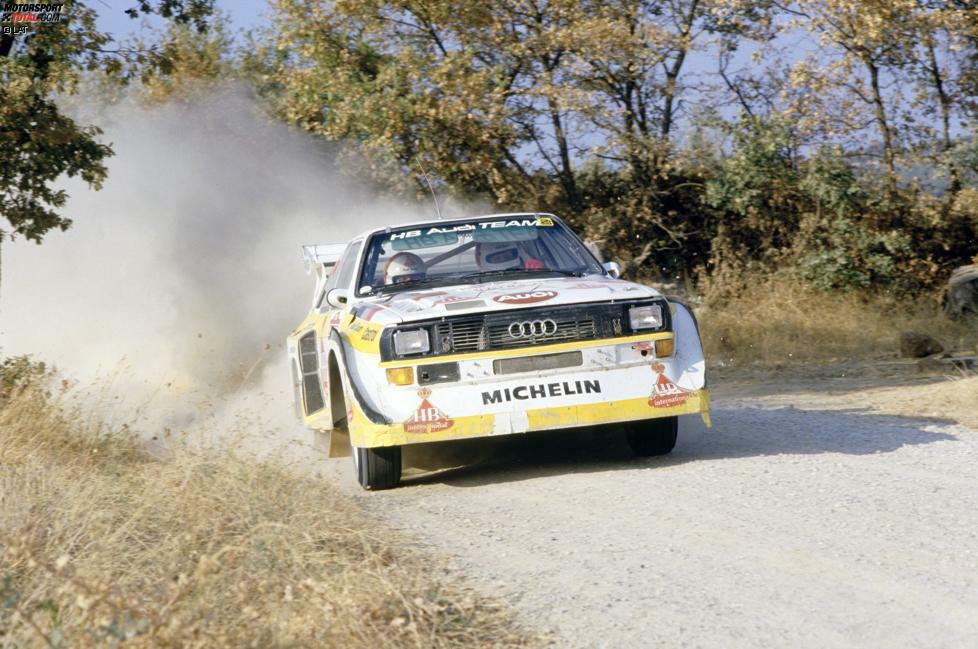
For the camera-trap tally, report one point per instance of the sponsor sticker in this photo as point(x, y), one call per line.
point(542, 391)
point(428, 418)
point(665, 393)
point(543, 221)
point(528, 297)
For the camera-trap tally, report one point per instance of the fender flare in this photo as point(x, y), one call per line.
point(682, 303)
point(339, 345)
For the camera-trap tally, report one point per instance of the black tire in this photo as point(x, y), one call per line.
point(377, 468)
point(651, 437)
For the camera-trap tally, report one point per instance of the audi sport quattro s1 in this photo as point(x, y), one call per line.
point(492, 325)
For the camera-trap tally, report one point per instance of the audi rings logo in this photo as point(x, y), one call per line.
point(532, 328)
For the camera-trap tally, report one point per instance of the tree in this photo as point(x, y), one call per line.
point(403, 82)
point(180, 61)
point(39, 141)
point(940, 64)
point(864, 45)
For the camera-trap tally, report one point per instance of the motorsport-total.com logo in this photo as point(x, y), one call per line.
point(24, 17)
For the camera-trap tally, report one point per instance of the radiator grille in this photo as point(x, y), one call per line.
point(462, 335)
point(492, 332)
point(568, 329)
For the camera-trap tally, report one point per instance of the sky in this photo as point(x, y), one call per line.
point(244, 14)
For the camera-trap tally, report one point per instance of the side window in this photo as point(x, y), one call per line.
point(341, 275)
point(347, 266)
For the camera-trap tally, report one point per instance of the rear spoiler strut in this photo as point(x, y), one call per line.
point(321, 259)
point(323, 255)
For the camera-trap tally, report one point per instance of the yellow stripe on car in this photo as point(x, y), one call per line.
point(365, 433)
point(362, 335)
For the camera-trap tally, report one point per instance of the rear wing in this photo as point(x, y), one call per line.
point(321, 259)
point(322, 256)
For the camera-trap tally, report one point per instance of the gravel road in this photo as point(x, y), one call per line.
point(792, 525)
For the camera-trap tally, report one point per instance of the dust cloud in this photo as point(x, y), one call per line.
point(180, 279)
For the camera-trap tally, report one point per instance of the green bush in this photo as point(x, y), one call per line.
point(18, 373)
point(848, 257)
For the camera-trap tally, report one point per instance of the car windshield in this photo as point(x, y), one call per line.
point(465, 252)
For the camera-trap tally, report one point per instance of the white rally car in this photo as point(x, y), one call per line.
point(483, 326)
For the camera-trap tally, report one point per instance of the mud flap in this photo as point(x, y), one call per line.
point(339, 444)
point(334, 443)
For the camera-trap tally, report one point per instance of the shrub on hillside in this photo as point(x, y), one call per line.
point(18, 373)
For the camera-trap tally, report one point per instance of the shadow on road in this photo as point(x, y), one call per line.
point(736, 433)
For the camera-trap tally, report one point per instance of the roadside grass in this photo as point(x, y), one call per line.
point(781, 322)
point(102, 544)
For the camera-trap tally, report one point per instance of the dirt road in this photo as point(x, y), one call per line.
point(784, 525)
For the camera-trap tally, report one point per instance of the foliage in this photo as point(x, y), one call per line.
point(575, 108)
point(757, 188)
point(496, 97)
point(181, 61)
point(18, 373)
point(826, 160)
point(846, 256)
point(40, 142)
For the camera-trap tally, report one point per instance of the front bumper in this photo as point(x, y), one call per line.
point(364, 433)
point(617, 382)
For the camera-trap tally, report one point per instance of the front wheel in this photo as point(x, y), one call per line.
point(651, 437)
point(377, 468)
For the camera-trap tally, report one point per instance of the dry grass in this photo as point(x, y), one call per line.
point(782, 322)
point(101, 544)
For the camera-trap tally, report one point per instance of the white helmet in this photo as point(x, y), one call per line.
point(498, 256)
point(403, 267)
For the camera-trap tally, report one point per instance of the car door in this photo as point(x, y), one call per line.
point(313, 341)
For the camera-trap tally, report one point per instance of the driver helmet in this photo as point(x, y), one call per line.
point(498, 256)
point(404, 267)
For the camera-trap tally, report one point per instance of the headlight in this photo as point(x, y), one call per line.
point(645, 317)
point(411, 342)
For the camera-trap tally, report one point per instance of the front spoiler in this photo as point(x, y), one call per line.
point(364, 433)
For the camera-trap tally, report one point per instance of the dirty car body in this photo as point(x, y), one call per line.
point(507, 324)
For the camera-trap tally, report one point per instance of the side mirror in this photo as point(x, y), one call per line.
point(337, 298)
point(612, 269)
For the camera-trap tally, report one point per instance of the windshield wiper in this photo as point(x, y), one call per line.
point(519, 271)
point(568, 273)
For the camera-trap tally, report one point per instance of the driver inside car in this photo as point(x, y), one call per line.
point(504, 256)
point(404, 267)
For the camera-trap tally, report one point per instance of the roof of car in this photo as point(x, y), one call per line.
point(433, 222)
